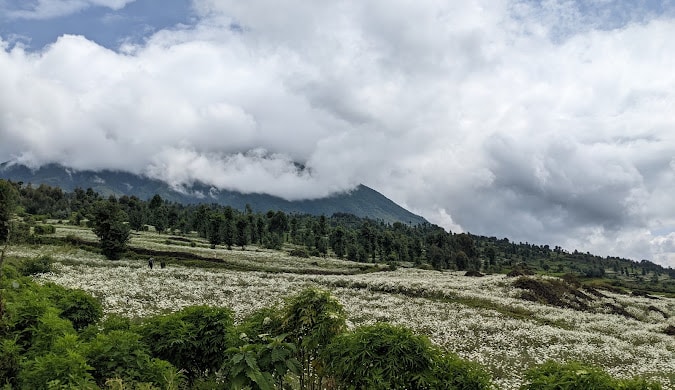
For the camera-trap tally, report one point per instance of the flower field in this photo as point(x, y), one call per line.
point(482, 319)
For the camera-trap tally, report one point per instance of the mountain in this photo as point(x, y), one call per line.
point(362, 201)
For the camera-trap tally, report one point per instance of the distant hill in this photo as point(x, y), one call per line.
point(362, 201)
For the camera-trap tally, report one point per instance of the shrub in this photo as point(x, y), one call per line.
point(44, 229)
point(452, 372)
point(62, 367)
point(193, 339)
point(40, 265)
point(50, 327)
point(380, 356)
point(384, 356)
point(121, 354)
point(77, 306)
point(25, 307)
point(312, 319)
point(10, 359)
point(574, 375)
point(299, 252)
point(267, 320)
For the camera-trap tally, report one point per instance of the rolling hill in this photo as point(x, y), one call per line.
point(362, 201)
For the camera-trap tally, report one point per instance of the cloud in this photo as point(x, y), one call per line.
point(548, 122)
point(48, 9)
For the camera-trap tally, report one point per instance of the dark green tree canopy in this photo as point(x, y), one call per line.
point(111, 229)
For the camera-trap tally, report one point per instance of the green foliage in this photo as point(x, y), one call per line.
point(40, 265)
point(450, 372)
point(61, 367)
point(268, 320)
point(78, 306)
point(8, 198)
point(121, 354)
point(193, 339)
point(384, 356)
point(44, 229)
point(112, 231)
point(299, 252)
point(10, 362)
point(25, 306)
point(574, 375)
point(244, 371)
point(381, 356)
point(50, 327)
point(312, 319)
point(262, 363)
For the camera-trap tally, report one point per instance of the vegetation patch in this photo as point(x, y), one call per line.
point(657, 310)
point(474, 274)
point(617, 309)
point(553, 292)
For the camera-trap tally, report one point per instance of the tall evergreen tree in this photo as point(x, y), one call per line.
point(111, 229)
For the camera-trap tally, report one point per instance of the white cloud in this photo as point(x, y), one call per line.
point(503, 118)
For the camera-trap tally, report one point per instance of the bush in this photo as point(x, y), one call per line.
point(312, 319)
point(380, 356)
point(384, 356)
point(121, 354)
point(193, 339)
point(40, 265)
point(25, 307)
point(50, 327)
point(10, 362)
point(44, 229)
point(62, 367)
point(78, 306)
point(574, 375)
point(452, 372)
point(299, 252)
point(263, 321)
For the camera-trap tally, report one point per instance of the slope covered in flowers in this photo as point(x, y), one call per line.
point(482, 319)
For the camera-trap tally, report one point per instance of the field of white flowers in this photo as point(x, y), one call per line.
point(482, 319)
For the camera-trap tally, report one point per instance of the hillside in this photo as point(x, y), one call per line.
point(508, 325)
point(362, 201)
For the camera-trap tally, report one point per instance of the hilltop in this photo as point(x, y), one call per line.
point(363, 201)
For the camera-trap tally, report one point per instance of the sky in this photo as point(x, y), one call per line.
point(548, 122)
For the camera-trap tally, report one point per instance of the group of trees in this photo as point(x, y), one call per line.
point(342, 235)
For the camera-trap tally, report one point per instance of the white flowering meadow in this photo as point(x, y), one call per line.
point(481, 319)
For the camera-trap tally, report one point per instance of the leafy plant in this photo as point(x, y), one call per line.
point(10, 359)
point(62, 367)
point(574, 375)
point(121, 354)
point(78, 306)
point(40, 265)
point(312, 319)
point(193, 339)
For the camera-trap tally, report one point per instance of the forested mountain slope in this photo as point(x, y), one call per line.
point(362, 201)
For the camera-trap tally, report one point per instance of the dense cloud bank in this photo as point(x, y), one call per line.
point(545, 122)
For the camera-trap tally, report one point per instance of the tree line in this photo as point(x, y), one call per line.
point(341, 235)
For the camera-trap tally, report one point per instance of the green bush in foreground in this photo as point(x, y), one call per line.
point(194, 339)
point(78, 306)
point(384, 356)
point(574, 375)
